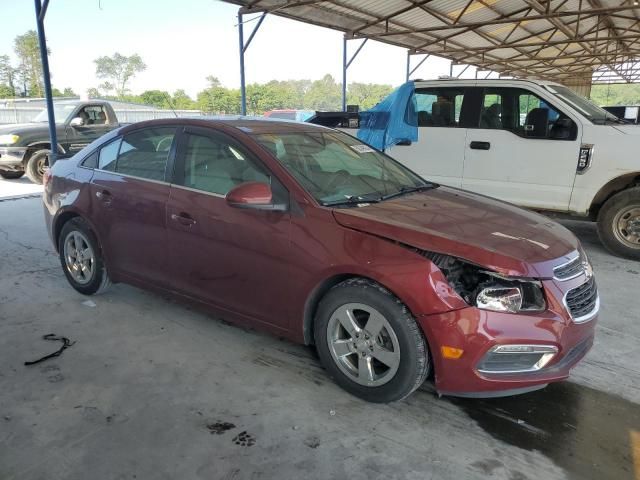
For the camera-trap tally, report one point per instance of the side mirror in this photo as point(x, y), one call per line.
point(254, 196)
point(76, 122)
point(562, 129)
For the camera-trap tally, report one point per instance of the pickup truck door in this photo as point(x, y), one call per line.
point(523, 150)
point(96, 124)
point(438, 155)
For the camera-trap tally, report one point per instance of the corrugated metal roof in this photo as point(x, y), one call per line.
point(553, 39)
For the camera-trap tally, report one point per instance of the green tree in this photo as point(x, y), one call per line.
point(323, 94)
point(182, 101)
point(8, 75)
point(93, 93)
point(367, 95)
point(29, 70)
point(68, 92)
point(619, 94)
point(6, 91)
point(157, 98)
point(117, 71)
point(218, 99)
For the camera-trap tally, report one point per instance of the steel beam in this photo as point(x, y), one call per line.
point(243, 48)
point(411, 71)
point(41, 10)
point(345, 65)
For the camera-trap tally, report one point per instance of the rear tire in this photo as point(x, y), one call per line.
point(380, 355)
point(36, 165)
point(81, 258)
point(619, 224)
point(10, 174)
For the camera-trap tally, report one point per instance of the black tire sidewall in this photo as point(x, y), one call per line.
point(31, 167)
point(605, 222)
point(77, 224)
point(404, 381)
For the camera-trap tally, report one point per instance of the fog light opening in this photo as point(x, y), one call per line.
point(517, 358)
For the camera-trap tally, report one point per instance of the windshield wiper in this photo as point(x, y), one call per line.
point(351, 200)
point(406, 190)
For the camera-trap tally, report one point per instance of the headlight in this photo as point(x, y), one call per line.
point(512, 296)
point(8, 139)
point(490, 290)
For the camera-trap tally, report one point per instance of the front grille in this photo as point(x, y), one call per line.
point(582, 301)
point(569, 270)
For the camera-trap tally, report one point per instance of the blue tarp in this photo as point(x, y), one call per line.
point(391, 121)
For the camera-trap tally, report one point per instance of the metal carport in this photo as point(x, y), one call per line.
point(575, 42)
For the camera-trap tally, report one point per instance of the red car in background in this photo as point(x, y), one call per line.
point(313, 235)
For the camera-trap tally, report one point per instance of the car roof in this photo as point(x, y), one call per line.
point(249, 125)
point(535, 81)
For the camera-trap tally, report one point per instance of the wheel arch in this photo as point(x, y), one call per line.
point(65, 216)
point(313, 300)
point(614, 186)
point(34, 147)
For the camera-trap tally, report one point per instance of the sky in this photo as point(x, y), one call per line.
point(182, 42)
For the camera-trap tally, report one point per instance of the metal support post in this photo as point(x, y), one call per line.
point(411, 71)
point(345, 66)
point(243, 48)
point(41, 10)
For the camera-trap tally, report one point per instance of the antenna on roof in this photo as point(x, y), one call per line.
point(168, 99)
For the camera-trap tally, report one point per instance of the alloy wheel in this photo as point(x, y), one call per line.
point(79, 257)
point(363, 344)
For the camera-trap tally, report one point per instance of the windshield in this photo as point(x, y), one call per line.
point(585, 106)
point(336, 168)
point(61, 112)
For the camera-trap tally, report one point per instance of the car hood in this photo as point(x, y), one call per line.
point(628, 129)
point(18, 128)
point(481, 230)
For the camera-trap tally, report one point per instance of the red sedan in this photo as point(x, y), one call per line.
point(308, 233)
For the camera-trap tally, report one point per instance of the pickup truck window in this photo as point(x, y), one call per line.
point(62, 111)
point(525, 114)
point(594, 113)
point(439, 107)
point(93, 115)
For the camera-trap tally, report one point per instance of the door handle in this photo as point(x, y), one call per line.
point(183, 218)
point(480, 145)
point(104, 196)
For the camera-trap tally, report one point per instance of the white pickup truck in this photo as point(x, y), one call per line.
point(536, 144)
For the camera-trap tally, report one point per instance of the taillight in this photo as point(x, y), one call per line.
point(46, 177)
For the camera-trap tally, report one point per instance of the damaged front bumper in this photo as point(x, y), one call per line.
point(11, 158)
point(505, 353)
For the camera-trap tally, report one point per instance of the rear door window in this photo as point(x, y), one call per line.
point(144, 153)
point(440, 107)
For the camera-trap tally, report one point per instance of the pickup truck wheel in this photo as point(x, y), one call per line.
point(10, 175)
point(619, 223)
point(369, 342)
point(36, 165)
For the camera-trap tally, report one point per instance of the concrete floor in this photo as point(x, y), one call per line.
point(146, 389)
point(18, 188)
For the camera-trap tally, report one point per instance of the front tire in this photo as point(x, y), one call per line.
point(10, 174)
point(369, 342)
point(36, 166)
point(619, 223)
point(81, 258)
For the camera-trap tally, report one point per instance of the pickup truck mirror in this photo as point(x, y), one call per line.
point(76, 122)
point(562, 129)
